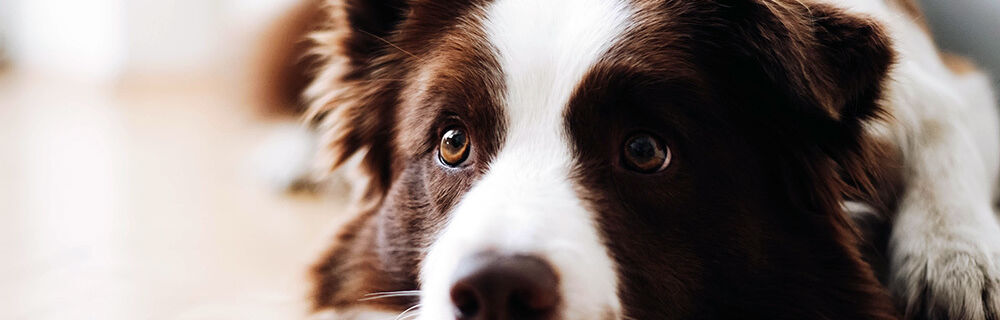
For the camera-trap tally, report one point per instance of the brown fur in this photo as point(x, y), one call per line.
point(826, 115)
point(887, 185)
point(407, 220)
point(766, 101)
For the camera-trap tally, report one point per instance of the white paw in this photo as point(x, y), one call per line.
point(954, 276)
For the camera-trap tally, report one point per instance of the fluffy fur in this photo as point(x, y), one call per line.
point(526, 202)
point(777, 111)
point(945, 242)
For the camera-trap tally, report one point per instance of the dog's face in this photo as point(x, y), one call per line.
point(600, 159)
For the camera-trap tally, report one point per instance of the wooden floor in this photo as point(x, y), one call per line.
point(137, 201)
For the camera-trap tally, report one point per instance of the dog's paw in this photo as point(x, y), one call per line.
point(956, 278)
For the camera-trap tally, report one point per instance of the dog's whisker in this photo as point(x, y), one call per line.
point(401, 314)
point(390, 294)
point(414, 315)
point(386, 296)
point(393, 292)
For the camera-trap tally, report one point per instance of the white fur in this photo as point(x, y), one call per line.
point(526, 203)
point(945, 245)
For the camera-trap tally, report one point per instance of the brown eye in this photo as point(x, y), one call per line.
point(454, 148)
point(646, 154)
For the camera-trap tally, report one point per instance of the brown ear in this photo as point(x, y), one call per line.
point(813, 73)
point(857, 56)
point(350, 102)
point(816, 74)
point(827, 61)
point(829, 68)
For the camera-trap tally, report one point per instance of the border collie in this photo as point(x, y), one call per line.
point(655, 159)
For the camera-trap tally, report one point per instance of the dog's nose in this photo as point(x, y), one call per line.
point(497, 287)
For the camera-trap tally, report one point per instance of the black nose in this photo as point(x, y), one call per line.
point(496, 287)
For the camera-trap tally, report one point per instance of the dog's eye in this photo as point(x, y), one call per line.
point(454, 148)
point(645, 153)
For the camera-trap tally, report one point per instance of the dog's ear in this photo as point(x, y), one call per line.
point(827, 62)
point(366, 25)
point(856, 55)
point(815, 75)
point(348, 102)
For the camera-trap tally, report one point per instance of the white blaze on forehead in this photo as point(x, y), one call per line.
point(526, 203)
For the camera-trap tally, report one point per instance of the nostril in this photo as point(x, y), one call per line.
point(465, 301)
point(491, 286)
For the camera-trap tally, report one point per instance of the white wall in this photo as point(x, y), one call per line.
point(968, 27)
point(175, 36)
point(103, 39)
point(80, 38)
point(5, 16)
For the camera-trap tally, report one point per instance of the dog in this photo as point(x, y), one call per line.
point(654, 159)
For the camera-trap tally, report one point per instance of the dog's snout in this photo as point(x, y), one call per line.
point(497, 287)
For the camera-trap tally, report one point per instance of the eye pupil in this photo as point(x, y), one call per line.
point(642, 148)
point(454, 148)
point(455, 139)
point(646, 154)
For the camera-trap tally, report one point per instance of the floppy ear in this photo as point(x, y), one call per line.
point(354, 107)
point(855, 56)
point(829, 63)
point(348, 104)
point(815, 75)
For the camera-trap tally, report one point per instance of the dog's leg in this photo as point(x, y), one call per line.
point(945, 243)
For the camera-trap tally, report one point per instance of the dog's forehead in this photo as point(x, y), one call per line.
point(520, 61)
point(545, 48)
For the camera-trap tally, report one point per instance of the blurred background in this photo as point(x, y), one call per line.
point(128, 187)
point(128, 133)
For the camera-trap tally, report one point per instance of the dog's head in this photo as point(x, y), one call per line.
point(600, 159)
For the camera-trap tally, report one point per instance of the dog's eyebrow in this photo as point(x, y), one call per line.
point(615, 89)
